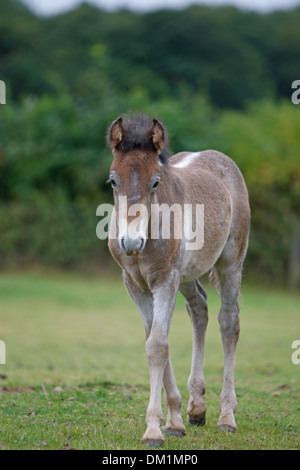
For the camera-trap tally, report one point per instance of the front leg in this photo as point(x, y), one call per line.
point(157, 349)
point(144, 302)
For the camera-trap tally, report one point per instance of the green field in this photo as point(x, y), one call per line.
point(77, 376)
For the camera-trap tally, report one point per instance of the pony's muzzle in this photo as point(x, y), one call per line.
point(132, 246)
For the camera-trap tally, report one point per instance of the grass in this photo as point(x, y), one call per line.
point(77, 375)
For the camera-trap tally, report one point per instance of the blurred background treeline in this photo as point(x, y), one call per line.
point(218, 78)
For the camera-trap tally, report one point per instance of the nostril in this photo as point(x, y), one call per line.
point(139, 244)
point(123, 244)
point(143, 243)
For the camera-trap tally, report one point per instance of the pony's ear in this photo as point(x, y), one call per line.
point(158, 134)
point(115, 133)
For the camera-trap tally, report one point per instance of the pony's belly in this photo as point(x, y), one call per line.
point(197, 263)
point(193, 270)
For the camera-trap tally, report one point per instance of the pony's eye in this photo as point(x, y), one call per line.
point(155, 185)
point(113, 183)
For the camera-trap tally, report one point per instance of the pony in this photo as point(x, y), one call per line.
point(155, 268)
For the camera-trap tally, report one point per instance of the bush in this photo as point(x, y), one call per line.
point(54, 165)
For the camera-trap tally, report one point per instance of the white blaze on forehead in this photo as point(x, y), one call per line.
point(186, 160)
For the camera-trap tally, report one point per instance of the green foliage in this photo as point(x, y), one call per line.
point(54, 166)
point(69, 76)
point(52, 179)
point(229, 55)
point(265, 144)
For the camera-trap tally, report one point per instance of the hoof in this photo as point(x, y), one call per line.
point(174, 432)
point(153, 442)
point(227, 428)
point(197, 420)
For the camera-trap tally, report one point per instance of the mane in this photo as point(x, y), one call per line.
point(137, 135)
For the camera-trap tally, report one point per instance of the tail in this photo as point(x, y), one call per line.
point(214, 278)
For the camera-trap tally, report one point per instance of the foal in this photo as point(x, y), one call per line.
point(155, 268)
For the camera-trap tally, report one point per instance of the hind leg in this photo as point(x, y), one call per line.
point(196, 304)
point(230, 277)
